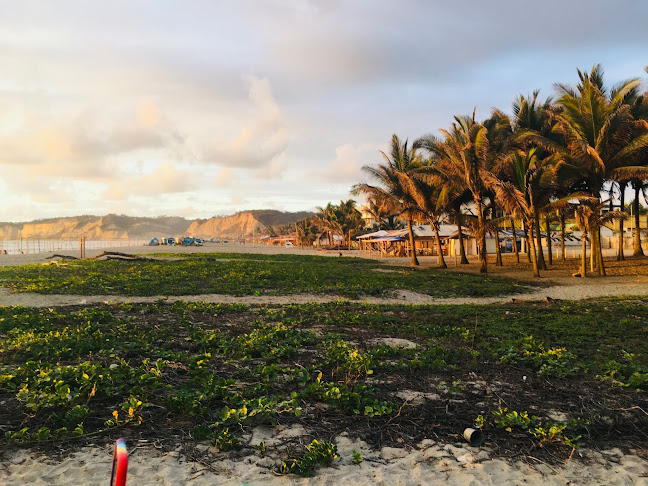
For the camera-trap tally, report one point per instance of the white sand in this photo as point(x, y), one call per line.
point(428, 464)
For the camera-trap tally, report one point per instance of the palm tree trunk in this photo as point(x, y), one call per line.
point(498, 250)
point(415, 261)
point(515, 247)
point(599, 253)
point(638, 250)
point(562, 236)
point(481, 234)
point(462, 248)
point(592, 249)
point(532, 248)
point(620, 255)
point(584, 253)
point(442, 263)
point(541, 261)
point(548, 239)
point(528, 244)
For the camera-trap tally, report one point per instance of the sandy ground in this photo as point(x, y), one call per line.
point(429, 464)
point(563, 285)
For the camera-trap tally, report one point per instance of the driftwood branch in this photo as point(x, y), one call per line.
point(115, 255)
point(65, 257)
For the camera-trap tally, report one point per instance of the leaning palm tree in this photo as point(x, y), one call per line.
point(426, 195)
point(393, 179)
point(462, 157)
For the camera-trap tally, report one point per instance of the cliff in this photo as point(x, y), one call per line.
point(107, 227)
point(245, 223)
point(112, 226)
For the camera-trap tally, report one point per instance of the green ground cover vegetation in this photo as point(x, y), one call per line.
point(246, 274)
point(213, 372)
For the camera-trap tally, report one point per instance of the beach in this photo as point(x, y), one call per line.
point(429, 464)
point(452, 461)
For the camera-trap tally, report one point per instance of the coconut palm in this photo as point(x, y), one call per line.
point(379, 211)
point(327, 220)
point(306, 231)
point(349, 219)
point(393, 179)
point(452, 198)
point(589, 214)
point(532, 118)
point(601, 137)
point(524, 190)
point(426, 195)
point(500, 131)
point(462, 157)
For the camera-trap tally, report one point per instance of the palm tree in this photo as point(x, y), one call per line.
point(524, 190)
point(601, 136)
point(426, 195)
point(500, 134)
point(452, 199)
point(379, 210)
point(349, 219)
point(327, 221)
point(393, 222)
point(589, 214)
point(394, 179)
point(306, 231)
point(532, 118)
point(462, 157)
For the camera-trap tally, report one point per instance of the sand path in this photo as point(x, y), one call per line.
point(609, 288)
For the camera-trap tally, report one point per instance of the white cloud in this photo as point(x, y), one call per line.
point(346, 167)
point(260, 139)
point(163, 180)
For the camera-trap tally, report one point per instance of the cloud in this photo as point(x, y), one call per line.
point(78, 143)
point(162, 180)
point(225, 177)
point(346, 167)
point(259, 140)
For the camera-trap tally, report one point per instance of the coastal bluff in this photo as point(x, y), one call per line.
point(245, 223)
point(112, 226)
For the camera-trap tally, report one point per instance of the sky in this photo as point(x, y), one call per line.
point(198, 108)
